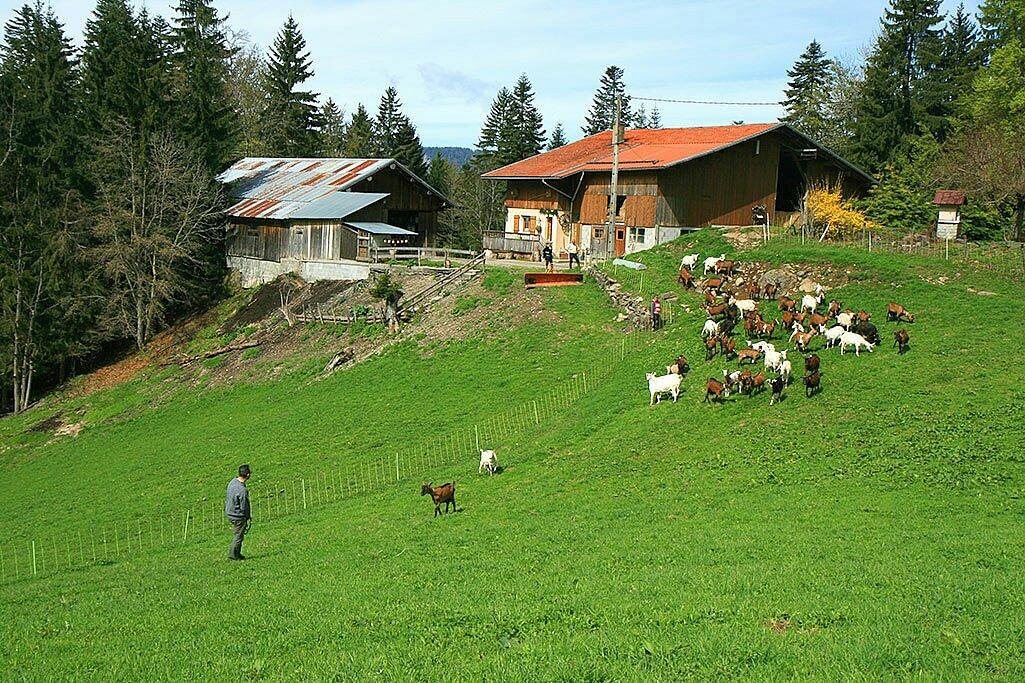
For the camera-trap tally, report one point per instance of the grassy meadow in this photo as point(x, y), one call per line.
point(876, 530)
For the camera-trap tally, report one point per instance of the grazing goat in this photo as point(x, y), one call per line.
point(712, 261)
point(898, 312)
point(864, 316)
point(710, 345)
point(713, 284)
point(787, 304)
point(709, 299)
point(716, 310)
point(727, 347)
point(785, 368)
point(774, 358)
point(769, 290)
point(750, 355)
point(689, 261)
point(725, 267)
point(810, 303)
point(855, 340)
point(845, 319)
point(835, 307)
point(757, 383)
point(867, 330)
point(766, 330)
point(488, 462)
point(710, 329)
point(803, 340)
point(744, 305)
point(666, 384)
point(680, 366)
point(901, 339)
point(685, 278)
point(715, 391)
point(732, 379)
point(778, 385)
point(446, 493)
point(833, 335)
point(817, 320)
point(811, 364)
point(812, 383)
point(763, 346)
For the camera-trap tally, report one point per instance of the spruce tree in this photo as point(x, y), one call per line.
point(899, 96)
point(526, 133)
point(291, 119)
point(439, 175)
point(495, 125)
point(808, 91)
point(960, 60)
point(655, 119)
point(201, 59)
point(359, 138)
point(558, 138)
point(333, 130)
point(396, 135)
point(111, 67)
point(408, 150)
point(46, 302)
point(599, 117)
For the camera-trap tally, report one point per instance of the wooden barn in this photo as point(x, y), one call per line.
point(670, 180)
point(323, 218)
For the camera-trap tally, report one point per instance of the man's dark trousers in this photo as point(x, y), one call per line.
point(238, 528)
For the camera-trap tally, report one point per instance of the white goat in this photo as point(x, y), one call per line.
point(689, 261)
point(488, 462)
point(762, 346)
point(744, 305)
point(710, 329)
point(845, 319)
point(810, 303)
point(784, 371)
point(855, 340)
point(833, 335)
point(667, 384)
point(774, 358)
point(712, 261)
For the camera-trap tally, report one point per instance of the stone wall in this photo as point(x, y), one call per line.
point(635, 308)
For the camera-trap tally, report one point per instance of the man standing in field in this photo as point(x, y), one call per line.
point(236, 509)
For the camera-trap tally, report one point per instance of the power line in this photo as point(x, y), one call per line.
point(732, 104)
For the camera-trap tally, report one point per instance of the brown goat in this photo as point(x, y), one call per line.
point(864, 316)
point(898, 312)
point(709, 299)
point(769, 291)
point(725, 267)
point(750, 355)
point(714, 311)
point(835, 307)
point(757, 384)
point(714, 390)
point(685, 278)
point(727, 347)
point(713, 284)
point(802, 341)
point(812, 383)
point(817, 320)
point(811, 364)
point(787, 304)
point(710, 345)
point(446, 493)
point(901, 339)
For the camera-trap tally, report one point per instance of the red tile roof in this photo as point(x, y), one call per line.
point(949, 197)
point(644, 149)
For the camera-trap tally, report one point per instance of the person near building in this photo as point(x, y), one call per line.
point(573, 255)
point(656, 314)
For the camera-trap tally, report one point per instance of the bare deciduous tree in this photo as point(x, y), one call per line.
point(157, 210)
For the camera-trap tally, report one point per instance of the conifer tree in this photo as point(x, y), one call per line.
point(655, 119)
point(359, 138)
point(525, 134)
point(290, 119)
point(396, 136)
point(201, 59)
point(960, 60)
point(333, 130)
point(599, 117)
point(808, 91)
point(899, 96)
point(558, 138)
point(641, 117)
point(408, 150)
point(495, 126)
point(439, 175)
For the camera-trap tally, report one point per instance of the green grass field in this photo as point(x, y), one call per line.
point(874, 531)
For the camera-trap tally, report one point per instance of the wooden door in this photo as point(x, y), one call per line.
point(620, 240)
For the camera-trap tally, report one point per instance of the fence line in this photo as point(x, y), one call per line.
point(51, 553)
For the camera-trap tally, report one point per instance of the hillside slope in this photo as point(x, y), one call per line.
point(874, 530)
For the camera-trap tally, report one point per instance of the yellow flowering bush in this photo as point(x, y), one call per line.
point(827, 208)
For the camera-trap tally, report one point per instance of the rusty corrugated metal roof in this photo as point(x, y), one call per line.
point(281, 188)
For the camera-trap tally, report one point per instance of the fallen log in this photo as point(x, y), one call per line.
point(214, 353)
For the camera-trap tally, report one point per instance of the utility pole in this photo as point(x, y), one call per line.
point(617, 138)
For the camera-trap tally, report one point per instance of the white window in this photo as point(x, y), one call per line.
point(637, 235)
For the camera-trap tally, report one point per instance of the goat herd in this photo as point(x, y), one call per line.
point(728, 306)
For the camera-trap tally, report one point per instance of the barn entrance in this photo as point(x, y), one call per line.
point(791, 182)
point(620, 240)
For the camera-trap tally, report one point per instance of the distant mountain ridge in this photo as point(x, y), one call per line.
point(457, 156)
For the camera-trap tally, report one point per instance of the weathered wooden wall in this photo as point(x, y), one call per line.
point(405, 194)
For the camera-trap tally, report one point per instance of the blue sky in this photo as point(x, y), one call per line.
point(447, 59)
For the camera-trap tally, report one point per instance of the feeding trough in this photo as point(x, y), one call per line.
point(531, 280)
